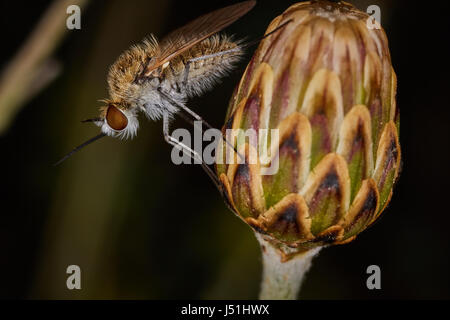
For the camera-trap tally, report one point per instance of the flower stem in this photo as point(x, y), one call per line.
point(282, 280)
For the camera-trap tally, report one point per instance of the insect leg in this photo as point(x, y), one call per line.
point(196, 117)
point(184, 148)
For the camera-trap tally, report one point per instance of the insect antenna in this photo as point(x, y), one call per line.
point(84, 144)
point(92, 120)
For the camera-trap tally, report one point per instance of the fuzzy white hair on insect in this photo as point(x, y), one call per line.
point(129, 132)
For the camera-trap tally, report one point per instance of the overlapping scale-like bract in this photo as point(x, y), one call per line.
point(326, 82)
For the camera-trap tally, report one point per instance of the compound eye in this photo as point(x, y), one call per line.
point(116, 119)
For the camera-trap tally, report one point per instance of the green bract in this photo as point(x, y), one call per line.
point(326, 82)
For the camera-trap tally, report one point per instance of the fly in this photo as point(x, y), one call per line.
point(157, 78)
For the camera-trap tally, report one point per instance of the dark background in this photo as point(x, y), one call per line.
point(141, 227)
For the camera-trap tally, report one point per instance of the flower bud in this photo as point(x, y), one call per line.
point(325, 82)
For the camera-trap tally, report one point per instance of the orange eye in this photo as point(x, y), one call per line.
point(116, 119)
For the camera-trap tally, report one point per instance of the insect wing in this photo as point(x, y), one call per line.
point(198, 30)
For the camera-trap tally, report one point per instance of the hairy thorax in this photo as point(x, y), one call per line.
point(128, 86)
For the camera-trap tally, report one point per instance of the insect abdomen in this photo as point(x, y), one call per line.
point(204, 73)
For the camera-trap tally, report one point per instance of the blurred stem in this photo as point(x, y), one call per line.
point(32, 68)
point(282, 280)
